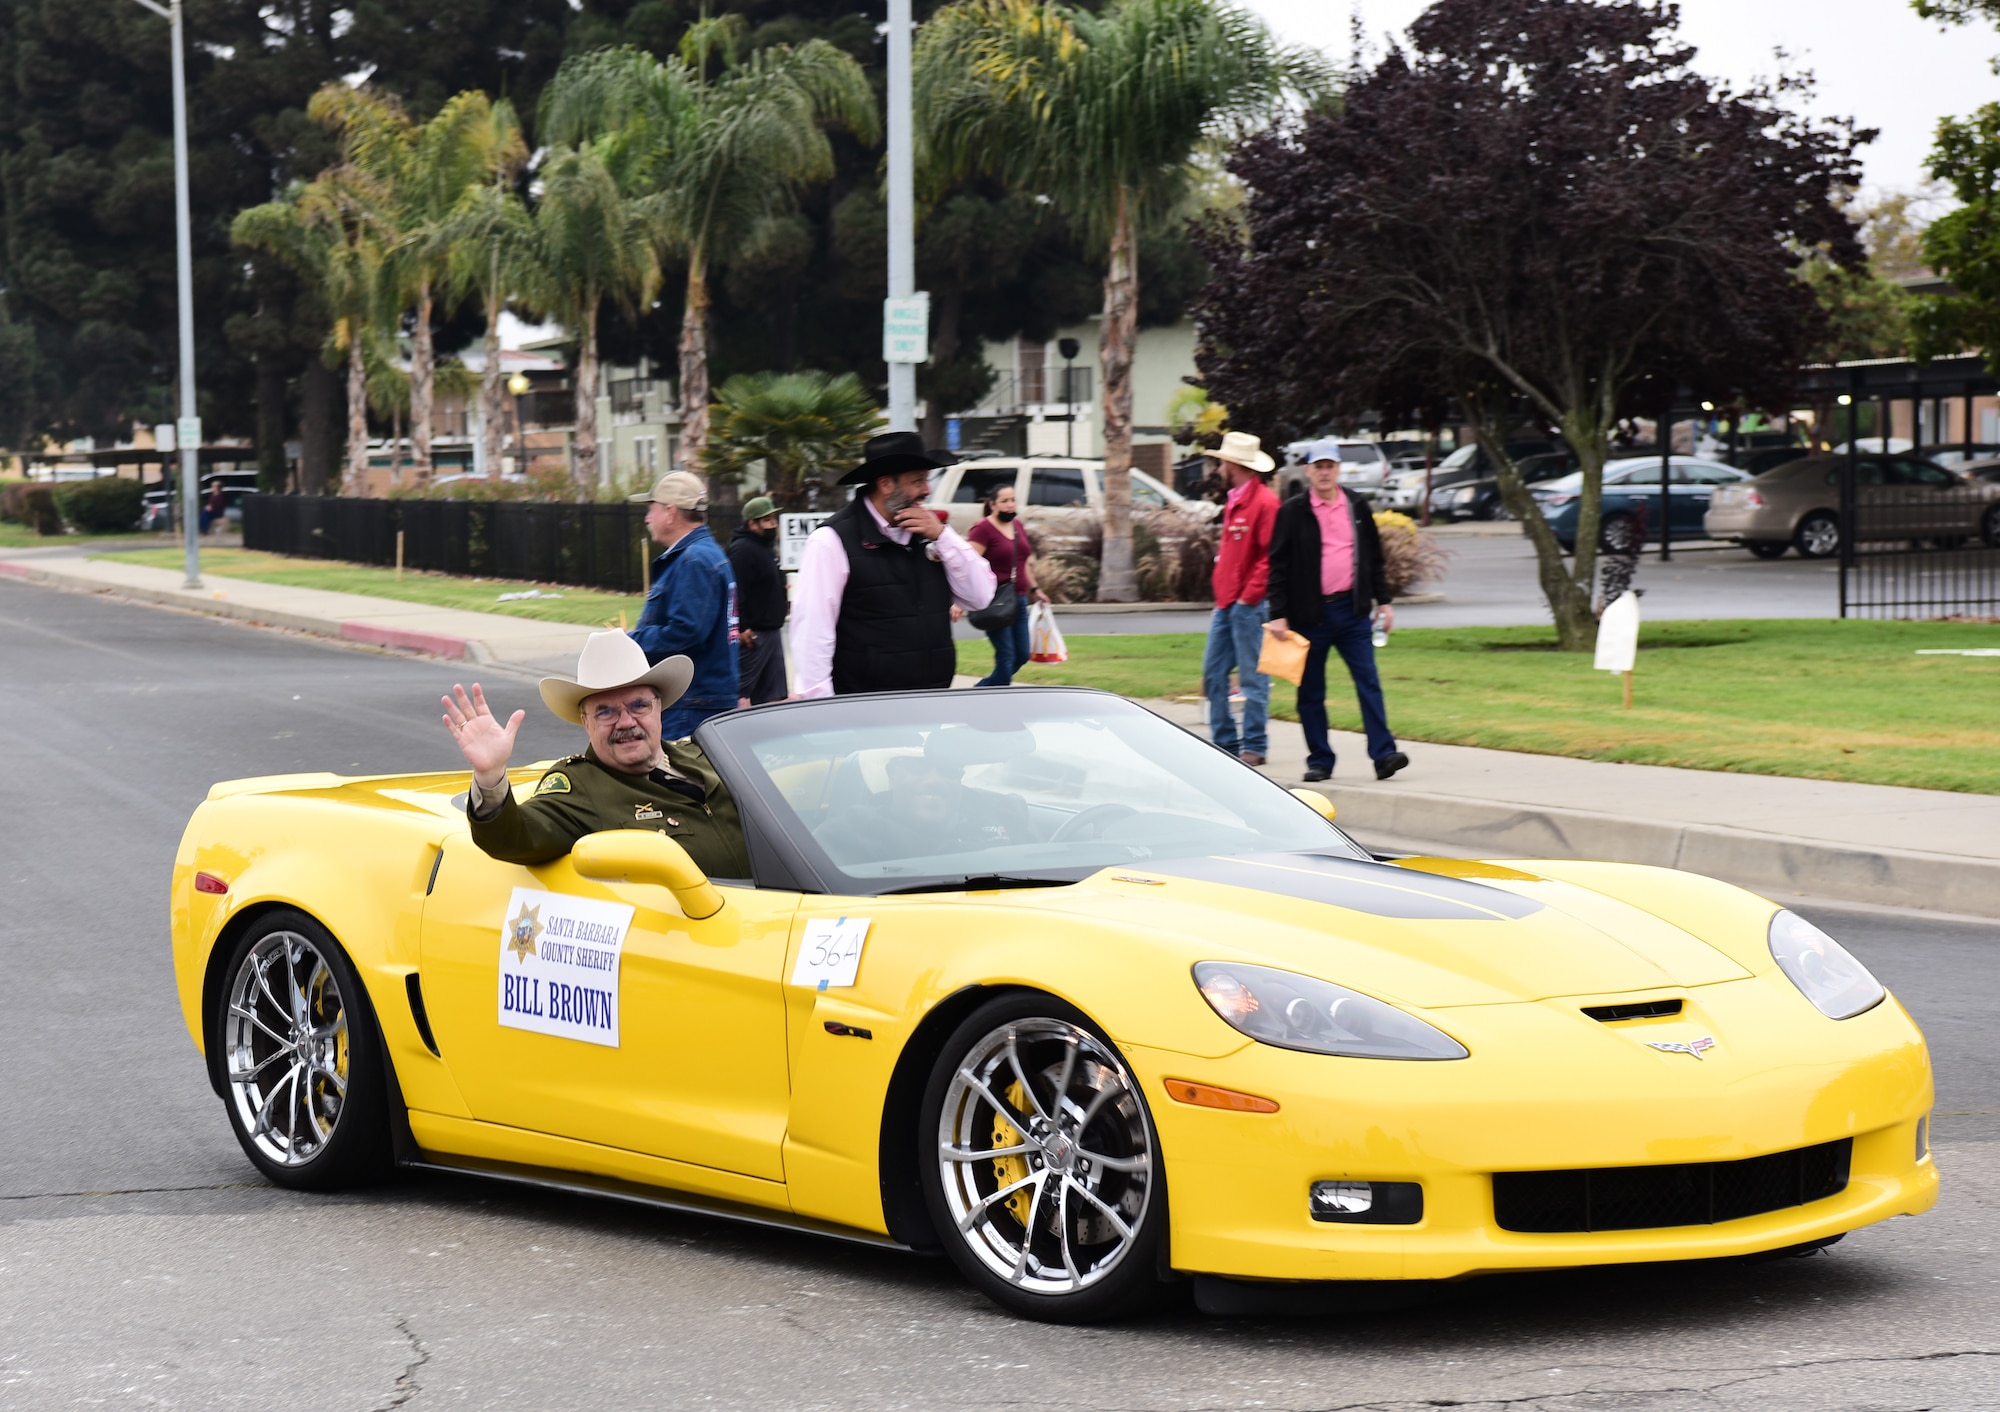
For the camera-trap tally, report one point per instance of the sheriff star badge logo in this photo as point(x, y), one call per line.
point(522, 930)
point(1696, 1047)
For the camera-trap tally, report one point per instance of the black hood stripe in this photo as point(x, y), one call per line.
point(1375, 888)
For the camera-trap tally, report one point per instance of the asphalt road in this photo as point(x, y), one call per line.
point(143, 1264)
point(1491, 583)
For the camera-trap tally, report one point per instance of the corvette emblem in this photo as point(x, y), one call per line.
point(1696, 1047)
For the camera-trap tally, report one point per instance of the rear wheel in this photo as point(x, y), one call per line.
point(302, 1061)
point(1767, 548)
point(1041, 1168)
point(1818, 535)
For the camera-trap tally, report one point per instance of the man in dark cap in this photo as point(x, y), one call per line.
point(761, 605)
point(877, 581)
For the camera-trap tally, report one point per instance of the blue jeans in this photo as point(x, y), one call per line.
point(1010, 647)
point(1236, 639)
point(1341, 629)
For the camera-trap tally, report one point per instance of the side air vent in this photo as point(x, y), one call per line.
point(1638, 1010)
point(423, 1020)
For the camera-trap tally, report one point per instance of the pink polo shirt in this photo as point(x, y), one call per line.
point(1336, 544)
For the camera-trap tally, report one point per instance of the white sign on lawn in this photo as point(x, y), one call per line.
point(559, 960)
point(1618, 634)
point(906, 329)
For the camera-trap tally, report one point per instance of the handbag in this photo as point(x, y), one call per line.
point(1000, 612)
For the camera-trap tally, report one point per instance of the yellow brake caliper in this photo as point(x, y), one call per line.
point(1008, 1170)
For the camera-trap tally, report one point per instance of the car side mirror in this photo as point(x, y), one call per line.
point(1315, 801)
point(640, 856)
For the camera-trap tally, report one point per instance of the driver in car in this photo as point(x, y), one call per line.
point(927, 810)
point(626, 779)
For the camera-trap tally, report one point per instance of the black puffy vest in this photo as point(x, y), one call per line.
point(894, 629)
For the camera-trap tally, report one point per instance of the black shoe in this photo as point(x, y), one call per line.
point(1314, 774)
point(1389, 764)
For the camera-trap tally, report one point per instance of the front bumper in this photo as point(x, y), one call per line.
point(1239, 1181)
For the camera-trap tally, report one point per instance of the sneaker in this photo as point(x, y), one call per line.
point(1251, 757)
point(1314, 774)
point(1389, 764)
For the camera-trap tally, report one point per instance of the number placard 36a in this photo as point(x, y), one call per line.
point(830, 955)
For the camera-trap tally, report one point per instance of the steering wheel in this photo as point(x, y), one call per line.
point(1095, 817)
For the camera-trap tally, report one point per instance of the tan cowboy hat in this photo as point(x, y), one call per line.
point(611, 660)
point(1245, 450)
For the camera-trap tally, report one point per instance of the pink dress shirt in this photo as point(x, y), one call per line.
point(823, 582)
point(1336, 544)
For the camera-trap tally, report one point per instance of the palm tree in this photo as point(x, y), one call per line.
point(800, 425)
point(714, 157)
point(424, 174)
point(1103, 113)
point(491, 244)
point(588, 243)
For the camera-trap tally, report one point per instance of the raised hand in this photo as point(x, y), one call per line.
point(485, 743)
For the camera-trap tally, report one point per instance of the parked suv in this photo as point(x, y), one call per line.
point(1045, 481)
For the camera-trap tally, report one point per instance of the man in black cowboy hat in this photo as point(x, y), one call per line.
point(872, 609)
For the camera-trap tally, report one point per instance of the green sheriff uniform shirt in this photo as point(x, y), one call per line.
point(580, 796)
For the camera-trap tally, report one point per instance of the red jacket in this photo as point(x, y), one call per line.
point(1243, 555)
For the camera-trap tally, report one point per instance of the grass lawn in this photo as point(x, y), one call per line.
point(577, 605)
point(21, 537)
point(1813, 698)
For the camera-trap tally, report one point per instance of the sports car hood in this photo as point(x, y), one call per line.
point(1409, 936)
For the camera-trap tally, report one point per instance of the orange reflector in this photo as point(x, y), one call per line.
point(1209, 1096)
point(209, 882)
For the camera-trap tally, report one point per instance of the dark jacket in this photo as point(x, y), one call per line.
point(580, 796)
point(761, 604)
point(1294, 591)
point(692, 612)
point(894, 628)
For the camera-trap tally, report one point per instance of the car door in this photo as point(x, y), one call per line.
point(1057, 486)
point(1693, 490)
point(692, 1067)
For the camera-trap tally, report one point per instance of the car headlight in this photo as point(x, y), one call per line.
point(1293, 1011)
point(1467, 495)
point(1825, 972)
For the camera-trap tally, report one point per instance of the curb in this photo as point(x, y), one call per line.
point(1766, 862)
point(366, 634)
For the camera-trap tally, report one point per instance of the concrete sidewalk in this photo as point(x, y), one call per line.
point(1912, 848)
point(528, 644)
point(1785, 837)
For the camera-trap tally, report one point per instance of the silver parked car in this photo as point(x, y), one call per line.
point(1897, 497)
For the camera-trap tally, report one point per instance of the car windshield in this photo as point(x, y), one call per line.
point(1360, 453)
point(1461, 457)
point(936, 790)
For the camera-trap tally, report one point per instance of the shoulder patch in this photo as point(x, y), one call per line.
point(554, 782)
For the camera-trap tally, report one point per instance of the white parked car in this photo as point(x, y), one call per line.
point(1046, 482)
point(1363, 469)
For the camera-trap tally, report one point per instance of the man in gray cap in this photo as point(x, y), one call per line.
point(691, 611)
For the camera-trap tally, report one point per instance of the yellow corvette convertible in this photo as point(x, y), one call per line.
point(1042, 980)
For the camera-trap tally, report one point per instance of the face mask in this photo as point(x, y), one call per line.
point(766, 535)
point(1003, 515)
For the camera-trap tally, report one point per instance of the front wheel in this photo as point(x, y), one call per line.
point(1041, 1168)
point(1767, 548)
point(302, 1061)
point(1818, 535)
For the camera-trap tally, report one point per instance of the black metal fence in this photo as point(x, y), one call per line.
point(1926, 543)
point(592, 546)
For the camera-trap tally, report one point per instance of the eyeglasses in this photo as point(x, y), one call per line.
point(610, 715)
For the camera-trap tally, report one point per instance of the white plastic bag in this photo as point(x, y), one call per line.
point(1045, 639)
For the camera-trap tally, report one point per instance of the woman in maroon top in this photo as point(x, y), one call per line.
point(1005, 543)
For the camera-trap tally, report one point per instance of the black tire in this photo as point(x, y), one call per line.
point(1989, 525)
point(1817, 535)
point(1619, 534)
point(288, 979)
point(1108, 1216)
point(1767, 548)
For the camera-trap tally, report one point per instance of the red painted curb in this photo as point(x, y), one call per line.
point(15, 569)
point(435, 643)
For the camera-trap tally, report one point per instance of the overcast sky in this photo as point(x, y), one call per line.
point(1874, 59)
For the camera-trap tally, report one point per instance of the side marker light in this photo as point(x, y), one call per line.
point(209, 882)
point(1209, 1096)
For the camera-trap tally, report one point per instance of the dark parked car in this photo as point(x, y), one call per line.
point(1629, 484)
point(1475, 493)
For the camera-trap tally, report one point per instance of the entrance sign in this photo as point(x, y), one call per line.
point(793, 532)
point(559, 962)
point(906, 329)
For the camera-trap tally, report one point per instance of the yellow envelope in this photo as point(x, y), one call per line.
point(1284, 656)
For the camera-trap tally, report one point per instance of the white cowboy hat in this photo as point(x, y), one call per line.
point(611, 660)
point(1245, 450)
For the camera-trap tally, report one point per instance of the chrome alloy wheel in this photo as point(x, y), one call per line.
point(1046, 1156)
point(285, 1048)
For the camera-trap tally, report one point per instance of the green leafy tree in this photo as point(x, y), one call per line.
point(801, 426)
point(717, 157)
point(1104, 113)
point(1963, 245)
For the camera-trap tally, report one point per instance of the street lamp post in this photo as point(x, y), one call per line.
point(187, 430)
point(518, 384)
point(1069, 348)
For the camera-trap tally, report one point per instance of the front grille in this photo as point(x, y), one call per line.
point(1681, 1194)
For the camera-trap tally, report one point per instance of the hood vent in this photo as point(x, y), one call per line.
point(1638, 1010)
